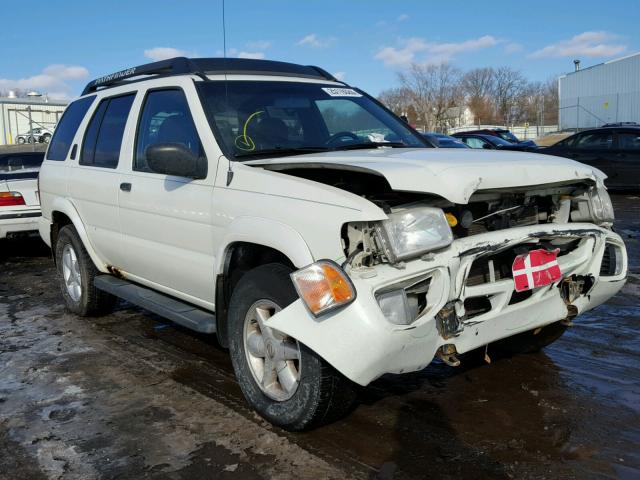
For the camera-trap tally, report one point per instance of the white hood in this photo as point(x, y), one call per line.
point(454, 174)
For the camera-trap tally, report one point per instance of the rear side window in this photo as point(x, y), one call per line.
point(16, 166)
point(629, 141)
point(103, 138)
point(165, 119)
point(67, 127)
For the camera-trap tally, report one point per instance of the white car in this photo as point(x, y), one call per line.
point(40, 135)
point(316, 233)
point(19, 201)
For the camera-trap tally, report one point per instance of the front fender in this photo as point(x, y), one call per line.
point(270, 233)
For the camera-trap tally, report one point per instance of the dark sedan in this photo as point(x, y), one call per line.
point(444, 141)
point(492, 142)
point(614, 150)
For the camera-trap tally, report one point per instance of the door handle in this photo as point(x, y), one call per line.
point(125, 187)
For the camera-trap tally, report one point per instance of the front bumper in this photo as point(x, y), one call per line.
point(362, 344)
point(20, 222)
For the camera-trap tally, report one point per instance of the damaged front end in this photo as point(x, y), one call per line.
point(436, 277)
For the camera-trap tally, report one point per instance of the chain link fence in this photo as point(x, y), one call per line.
point(594, 111)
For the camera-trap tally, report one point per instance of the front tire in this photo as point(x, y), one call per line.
point(282, 379)
point(21, 140)
point(76, 273)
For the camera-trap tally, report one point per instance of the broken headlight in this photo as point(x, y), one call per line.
point(600, 205)
point(413, 231)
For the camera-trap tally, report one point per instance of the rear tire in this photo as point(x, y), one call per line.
point(76, 273)
point(321, 394)
point(21, 140)
point(531, 341)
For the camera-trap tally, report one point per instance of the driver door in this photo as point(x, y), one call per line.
point(165, 220)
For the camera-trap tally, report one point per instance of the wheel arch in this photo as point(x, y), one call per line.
point(252, 242)
point(64, 213)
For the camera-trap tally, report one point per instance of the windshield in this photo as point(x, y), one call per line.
point(20, 165)
point(253, 118)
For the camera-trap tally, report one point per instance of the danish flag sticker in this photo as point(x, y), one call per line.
point(536, 269)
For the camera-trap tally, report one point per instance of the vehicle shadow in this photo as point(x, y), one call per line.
point(477, 421)
point(32, 247)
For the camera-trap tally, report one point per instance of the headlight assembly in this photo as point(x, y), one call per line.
point(413, 231)
point(600, 205)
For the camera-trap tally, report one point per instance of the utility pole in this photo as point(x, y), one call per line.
point(33, 140)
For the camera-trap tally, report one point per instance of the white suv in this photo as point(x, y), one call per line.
point(321, 238)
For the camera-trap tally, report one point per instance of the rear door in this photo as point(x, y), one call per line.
point(627, 158)
point(94, 179)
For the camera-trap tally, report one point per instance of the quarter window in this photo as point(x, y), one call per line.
point(103, 138)
point(67, 128)
point(165, 119)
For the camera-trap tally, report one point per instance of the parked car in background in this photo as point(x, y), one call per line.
point(614, 150)
point(19, 199)
point(504, 134)
point(39, 135)
point(444, 141)
point(492, 142)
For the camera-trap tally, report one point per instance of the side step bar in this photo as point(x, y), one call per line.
point(175, 310)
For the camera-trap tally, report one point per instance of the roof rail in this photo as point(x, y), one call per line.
point(204, 66)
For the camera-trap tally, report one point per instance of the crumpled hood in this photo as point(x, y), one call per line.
point(454, 174)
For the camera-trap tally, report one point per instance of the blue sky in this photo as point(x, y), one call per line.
point(59, 46)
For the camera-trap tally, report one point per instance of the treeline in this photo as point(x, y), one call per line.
point(435, 97)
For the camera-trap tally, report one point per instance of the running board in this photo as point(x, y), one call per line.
point(177, 311)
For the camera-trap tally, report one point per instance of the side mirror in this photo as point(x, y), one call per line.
point(486, 146)
point(175, 159)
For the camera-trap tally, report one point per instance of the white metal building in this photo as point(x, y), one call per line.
point(19, 115)
point(604, 93)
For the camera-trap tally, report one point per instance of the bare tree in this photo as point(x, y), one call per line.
point(478, 86)
point(433, 90)
point(399, 101)
point(509, 86)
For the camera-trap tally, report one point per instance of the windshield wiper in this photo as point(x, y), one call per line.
point(283, 151)
point(361, 146)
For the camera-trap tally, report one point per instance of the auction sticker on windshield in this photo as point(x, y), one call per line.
point(342, 92)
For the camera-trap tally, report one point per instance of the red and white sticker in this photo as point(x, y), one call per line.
point(536, 269)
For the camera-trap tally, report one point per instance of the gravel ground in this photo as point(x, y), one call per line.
point(129, 395)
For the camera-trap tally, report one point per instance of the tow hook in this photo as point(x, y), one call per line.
point(447, 353)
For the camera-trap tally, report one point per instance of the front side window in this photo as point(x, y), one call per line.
point(594, 141)
point(474, 142)
point(166, 118)
point(67, 128)
point(253, 118)
point(103, 138)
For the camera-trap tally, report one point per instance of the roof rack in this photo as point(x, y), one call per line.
point(204, 66)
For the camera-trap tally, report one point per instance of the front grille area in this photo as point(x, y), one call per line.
point(610, 261)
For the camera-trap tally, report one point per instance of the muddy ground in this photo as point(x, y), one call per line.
point(131, 396)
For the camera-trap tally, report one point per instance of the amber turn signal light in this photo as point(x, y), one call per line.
point(323, 286)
